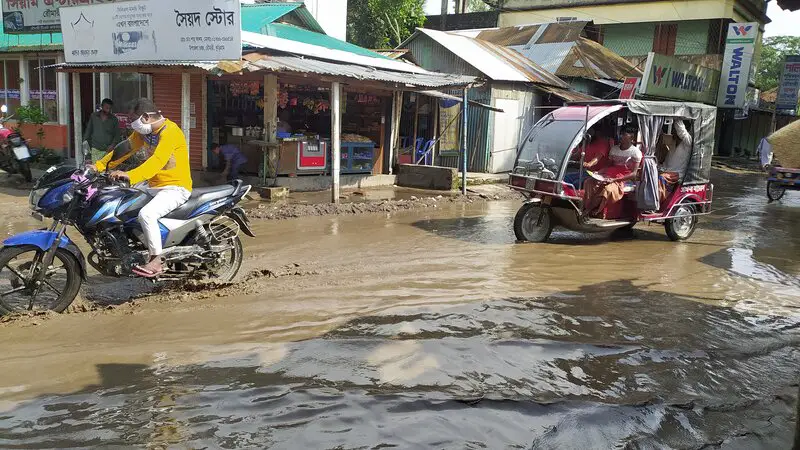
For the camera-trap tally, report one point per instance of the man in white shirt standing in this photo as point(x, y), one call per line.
point(675, 164)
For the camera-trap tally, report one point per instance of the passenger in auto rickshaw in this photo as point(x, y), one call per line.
point(608, 187)
point(673, 169)
point(599, 143)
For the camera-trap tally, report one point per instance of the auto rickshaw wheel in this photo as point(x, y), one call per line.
point(682, 225)
point(533, 223)
point(775, 191)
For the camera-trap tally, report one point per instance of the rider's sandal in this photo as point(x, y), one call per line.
point(142, 272)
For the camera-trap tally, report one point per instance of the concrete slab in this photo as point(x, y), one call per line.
point(427, 177)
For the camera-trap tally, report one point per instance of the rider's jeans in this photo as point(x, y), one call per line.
point(165, 200)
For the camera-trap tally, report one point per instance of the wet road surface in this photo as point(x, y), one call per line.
point(433, 329)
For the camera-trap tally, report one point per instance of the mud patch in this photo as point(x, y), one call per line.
point(168, 292)
point(489, 192)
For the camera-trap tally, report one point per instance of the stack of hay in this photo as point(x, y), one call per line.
point(786, 145)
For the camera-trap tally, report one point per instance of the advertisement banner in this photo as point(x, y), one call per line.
point(628, 90)
point(790, 84)
point(671, 78)
point(152, 31)
point(37, 16)
point(449, 124)
point(736, 63)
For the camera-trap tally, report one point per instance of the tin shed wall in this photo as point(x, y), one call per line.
point(477, 133)
point(167, 96)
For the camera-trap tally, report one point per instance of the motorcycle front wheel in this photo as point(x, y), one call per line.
point(18, 288)
point(25, 170)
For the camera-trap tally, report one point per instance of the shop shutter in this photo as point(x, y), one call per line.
point(167, 96)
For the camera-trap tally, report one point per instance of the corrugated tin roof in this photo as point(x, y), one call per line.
point(296, 34)
point(568, 94)
point(310, 65)
point(560, 49)
point(496, 62)
point(254, 62)
point(316, 49)
point(256, 16)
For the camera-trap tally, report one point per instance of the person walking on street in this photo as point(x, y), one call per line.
point(102, 132)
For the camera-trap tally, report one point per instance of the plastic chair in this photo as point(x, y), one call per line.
point(425, 154)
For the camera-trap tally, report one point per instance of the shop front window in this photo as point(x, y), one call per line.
point(9, 84)
point(127, 87)
point(43, 86)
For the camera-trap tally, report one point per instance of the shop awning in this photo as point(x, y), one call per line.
point(438, 94)
point(425, 79)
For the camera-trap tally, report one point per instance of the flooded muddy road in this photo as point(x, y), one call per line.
point(433, 329)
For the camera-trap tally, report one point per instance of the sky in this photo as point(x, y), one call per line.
point(783, 22)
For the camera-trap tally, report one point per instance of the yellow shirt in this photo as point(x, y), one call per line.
point(168, 163)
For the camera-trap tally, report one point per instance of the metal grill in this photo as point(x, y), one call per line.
point(223, 228)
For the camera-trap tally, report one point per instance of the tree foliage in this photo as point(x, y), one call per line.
point(477, 6)
point(383, 23)
point(770, 64)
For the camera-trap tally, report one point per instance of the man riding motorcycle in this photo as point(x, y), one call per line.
point(166, 171)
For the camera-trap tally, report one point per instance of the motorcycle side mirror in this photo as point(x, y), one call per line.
point(4, 109)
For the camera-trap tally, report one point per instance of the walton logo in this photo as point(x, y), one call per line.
point(658, 74)
point(742, 30)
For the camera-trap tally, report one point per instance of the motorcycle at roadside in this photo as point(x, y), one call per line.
point(15, 156)
point(44, 269)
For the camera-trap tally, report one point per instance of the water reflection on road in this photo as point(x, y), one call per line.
point(433, 329)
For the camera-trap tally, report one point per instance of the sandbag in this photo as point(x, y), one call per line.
point(786, 145)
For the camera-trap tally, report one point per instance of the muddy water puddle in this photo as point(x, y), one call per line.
point(432, 329)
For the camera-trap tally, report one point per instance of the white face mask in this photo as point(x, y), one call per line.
point(141, 128)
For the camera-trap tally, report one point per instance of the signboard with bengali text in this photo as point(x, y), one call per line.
point(37, 16)
point(628, 90)
point(153, 31)
point(790, 84)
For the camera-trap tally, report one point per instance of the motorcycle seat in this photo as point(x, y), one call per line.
point(200, 196)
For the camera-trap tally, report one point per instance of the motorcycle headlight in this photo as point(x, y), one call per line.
point(35, 196)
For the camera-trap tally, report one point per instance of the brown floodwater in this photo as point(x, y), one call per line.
point(433, 329)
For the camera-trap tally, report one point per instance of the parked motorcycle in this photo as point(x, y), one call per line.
point(15, 156)
point(46, 268)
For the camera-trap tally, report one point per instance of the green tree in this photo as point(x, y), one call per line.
point(383, 23)
point(770, 64)
point(477, 6)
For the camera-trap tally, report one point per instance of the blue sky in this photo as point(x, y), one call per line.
point(783, 22)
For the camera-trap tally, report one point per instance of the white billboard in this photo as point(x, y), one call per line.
point(740, 45)
point(36, 16)
point(152, 31)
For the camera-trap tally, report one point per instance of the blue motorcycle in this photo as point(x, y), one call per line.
point(44, 269)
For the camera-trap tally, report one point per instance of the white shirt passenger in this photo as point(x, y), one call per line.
point(630, 157)
point(678, 159)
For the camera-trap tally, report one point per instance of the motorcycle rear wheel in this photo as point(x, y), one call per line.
point(57, 292)
point(232, 262)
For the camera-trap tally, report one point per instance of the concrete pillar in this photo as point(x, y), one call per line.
point(105, 86)
point(24, 85)
point(185, 107)
point(204, 119)
point(76, 118)
point(271, 107)
point(336, 139)
point(62, 92)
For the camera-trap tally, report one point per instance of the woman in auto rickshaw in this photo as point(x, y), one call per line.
point(608, 187)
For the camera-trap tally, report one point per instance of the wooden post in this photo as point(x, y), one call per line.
point(77, 123)
point(416, 128)
point(336, 139)
point(270, 152)
point(445, 4)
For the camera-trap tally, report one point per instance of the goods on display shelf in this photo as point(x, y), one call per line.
point(352, 137)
